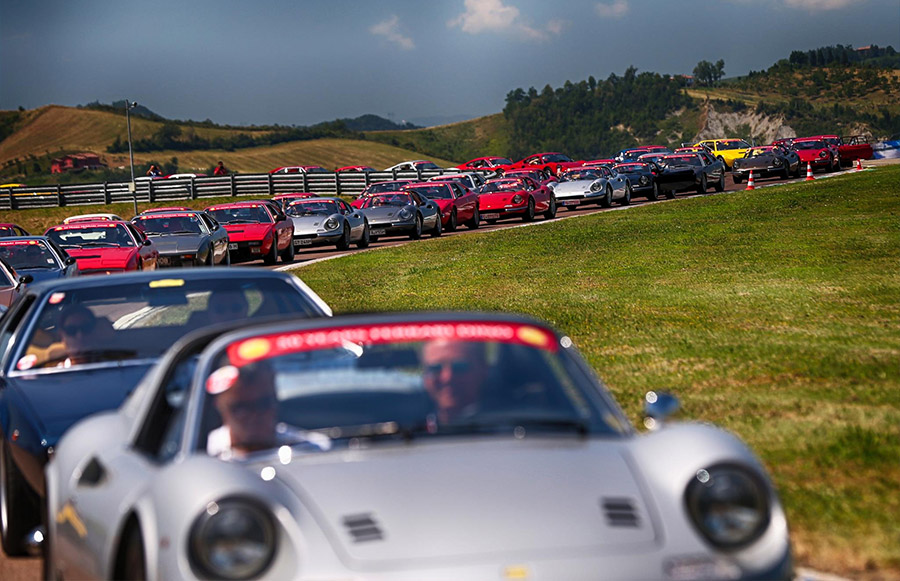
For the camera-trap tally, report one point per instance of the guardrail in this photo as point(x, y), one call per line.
point(192, 188)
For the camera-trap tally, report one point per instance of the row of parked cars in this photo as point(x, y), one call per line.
point(224, 423)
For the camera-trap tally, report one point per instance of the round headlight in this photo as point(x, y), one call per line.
point(776, 162)
point(517, 199)
point(822, 153)
point(331, 224)
point(643, 181)
point(596, 186)
point(233, 539)
point(729, 505)
point(404, 214)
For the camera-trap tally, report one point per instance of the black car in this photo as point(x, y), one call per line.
point(766, 161)
point(38, 256)
point(644, 178)
point(76, 346)
point(691, 171)
point(185, 238)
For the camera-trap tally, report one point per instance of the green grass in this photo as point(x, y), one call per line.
point(774, 313)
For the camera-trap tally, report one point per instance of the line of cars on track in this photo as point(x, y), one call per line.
point(113, 398)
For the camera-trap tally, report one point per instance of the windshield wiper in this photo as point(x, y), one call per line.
point(104, 244)
point(502, 422)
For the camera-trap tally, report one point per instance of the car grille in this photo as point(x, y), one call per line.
point(620, 512)
point(363, 528)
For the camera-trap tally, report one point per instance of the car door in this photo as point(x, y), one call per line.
point(465, 202)
point(217, 235)
point(146, 248)
point(354, 219)
point(284, 228)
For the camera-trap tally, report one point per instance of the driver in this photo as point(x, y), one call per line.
point(454, 376)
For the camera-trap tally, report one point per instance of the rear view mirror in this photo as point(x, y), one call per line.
point(658, 406)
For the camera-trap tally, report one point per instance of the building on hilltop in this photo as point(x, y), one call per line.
point(76, 162)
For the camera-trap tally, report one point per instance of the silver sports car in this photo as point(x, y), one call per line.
point(185, 238)
point(401, 213)
point(401, 446)
point(322, 221)
point(592, 185)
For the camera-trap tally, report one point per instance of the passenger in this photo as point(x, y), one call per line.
point(82, 333)
point(227, 305)
point(454, 376)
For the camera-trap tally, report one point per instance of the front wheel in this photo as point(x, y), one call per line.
point(529, 211)
point(670, 194)
point(551, 211)
point(227, 260)
point(417, 229)
point(131, 562)
point(654, 192)
point(272, 256)
point(451, 223)
point(364, 241)
point(701, 187)
point(737, 178)
point(18, 506)
point(476, 219)
point(720, 185)
point(438, 226)
point(344, 242)
point(288, 254)
point(627, 199)
point(606, 201)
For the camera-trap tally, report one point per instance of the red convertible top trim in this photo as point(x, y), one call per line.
point(254, 349)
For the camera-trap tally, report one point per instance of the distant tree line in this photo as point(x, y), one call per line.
point(589, 117)
point(846, 55)
point(808, 119)
point(171, 136)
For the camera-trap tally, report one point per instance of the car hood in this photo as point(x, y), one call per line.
point(42, 274)
point(178, 242)
point(308, 224)
point(52, 402)
point(436, 501)
point(809, 154)
point(99, 257)
point(244, 232)
point(576, 187)
point(383, 213)
point(757, 161)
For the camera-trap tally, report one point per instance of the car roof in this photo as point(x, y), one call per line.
point(88, 224)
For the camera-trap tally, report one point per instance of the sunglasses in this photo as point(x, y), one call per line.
point(456, 367)
point(83, 328)
point(253, 406)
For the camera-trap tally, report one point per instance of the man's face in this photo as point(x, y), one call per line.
point(77, 331)
point(249, 409)
point(227, 306)
point(454, 373)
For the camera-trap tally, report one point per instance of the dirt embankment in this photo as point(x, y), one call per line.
point(716, 124)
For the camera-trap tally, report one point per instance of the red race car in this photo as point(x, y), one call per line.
point(8, 229)
point(284, 199)
point(817, 153)
point(256, 230)
point(299, 169)
point(354, 168)
point(458, 204)
point(490, 163)
point(519, 197)
point(105, 247)
point(850, 148)
point(551, 164)
point(600, 163)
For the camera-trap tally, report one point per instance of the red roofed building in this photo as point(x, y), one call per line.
point(76, 162)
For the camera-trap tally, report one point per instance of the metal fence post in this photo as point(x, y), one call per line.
point(12, 200)
point(271, 186)
point(337, 183)
point(305, 182)
point(233, 186)
point(59, 197)
point(106, 196)
point(192, 191)
point(149, 191)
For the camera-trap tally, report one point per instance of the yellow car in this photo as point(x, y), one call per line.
point(727, 150)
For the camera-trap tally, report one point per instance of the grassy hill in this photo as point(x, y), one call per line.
point(774, 313)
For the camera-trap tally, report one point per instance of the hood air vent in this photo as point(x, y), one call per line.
point(620, 512)
point(363, 528)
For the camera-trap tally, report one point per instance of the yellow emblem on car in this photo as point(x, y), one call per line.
point(166, 283)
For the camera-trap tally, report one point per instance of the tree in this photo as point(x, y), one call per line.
point(707, 73)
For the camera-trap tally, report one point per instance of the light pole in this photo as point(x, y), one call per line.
point(129, 105)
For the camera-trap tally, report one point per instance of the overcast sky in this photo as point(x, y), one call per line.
point(303, 62)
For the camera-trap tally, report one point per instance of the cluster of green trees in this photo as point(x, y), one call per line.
point(708, 74)
point(171, 136)
point(808, 119)
point(845, 55)
point(590, 118)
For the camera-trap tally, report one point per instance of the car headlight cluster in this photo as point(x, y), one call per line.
point(233, 538)
point(331, 224)
point(776, 162)
point(729, 505)
point(596, 186)
point(404, 214)
point(823, 154)
point(644, 180)
point(517, 199)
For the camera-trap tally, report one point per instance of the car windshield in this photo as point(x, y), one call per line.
point(435, 192)
point(241, 215)
point(395, 199)
point(7, 231)
point(427, 165)
point(327, 387)
point(681, 160)
point(501, 186)
point(733, 144)
point(382, 187)
point(139, 320)
point(22, 254)
point(579, 175)
point(757, 151)
point(78, 236)
point(311, 208)
point(632, 168)
point(168, 224)
point(556, 158)
point(809, 144)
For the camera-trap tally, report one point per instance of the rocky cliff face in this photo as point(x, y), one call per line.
point(747, 123)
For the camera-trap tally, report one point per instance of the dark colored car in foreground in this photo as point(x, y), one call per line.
point(766, 161)
point(190, 238)
point(73, 347)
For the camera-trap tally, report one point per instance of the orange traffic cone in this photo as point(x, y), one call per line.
point(750, 184)
point(859, 164)
point(809, 176)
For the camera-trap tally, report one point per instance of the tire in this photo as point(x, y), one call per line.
point(670, 194)
point(210, 257)
point(373, 239)
point(702, 186)
point(438, 227)
point(475, 222)
point(654, 192)
point(131, 563)
point(529, 211)
point(364, 241)
point(797, 171)
point(606, 201)
point(785, 173)
point(288, 254)
point(724, 165)
point(18, 506)
point(417, 229)
point(272, 257)
point(551, 211)
point(737, 178)
point(344, 242)
point(227, 260)
point(451, 223)
point(625, 201)
point(720, 185)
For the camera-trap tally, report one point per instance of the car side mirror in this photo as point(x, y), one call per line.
point(69, 261)
point(147, 242)
point(25, 279)
point(659, 406)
